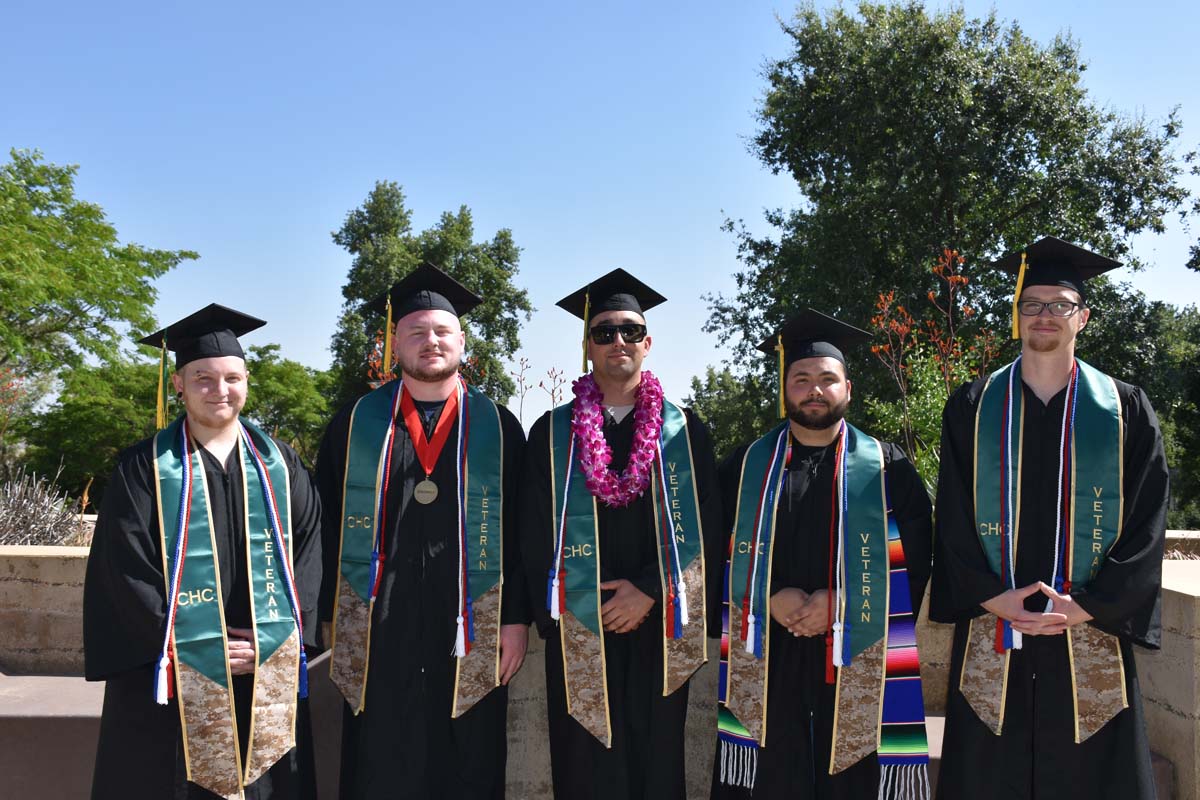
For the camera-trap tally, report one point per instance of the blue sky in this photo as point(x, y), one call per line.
point(603, 135)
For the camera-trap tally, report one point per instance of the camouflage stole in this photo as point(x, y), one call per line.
point(573, 589)
point(1089, 525)
point(480, 499)
point(196, 633)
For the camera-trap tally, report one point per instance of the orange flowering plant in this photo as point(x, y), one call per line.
point(927, 359)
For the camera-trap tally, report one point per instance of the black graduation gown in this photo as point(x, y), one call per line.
point(140, 752)
point(404, 743)
point(1036, 757)
point(800, 704)
point(646, 758)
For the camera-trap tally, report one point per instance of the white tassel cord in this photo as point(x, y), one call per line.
point(1008, 500)
point(751, 627)
point(460, 637)
point(185, 494)
point(555, 582)
point(839, 609)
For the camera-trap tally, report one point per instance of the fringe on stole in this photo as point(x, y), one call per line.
point(904, 782)
point(739, 764)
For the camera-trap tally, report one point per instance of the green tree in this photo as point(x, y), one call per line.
point(735, 411)
point(99, 412)
point(287, 399)
point(380, 236)
point(69, 285)
point(909, 133)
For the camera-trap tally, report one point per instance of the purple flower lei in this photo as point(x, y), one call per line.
point(595, 454)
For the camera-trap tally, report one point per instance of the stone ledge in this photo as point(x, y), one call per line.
point(1170, 678)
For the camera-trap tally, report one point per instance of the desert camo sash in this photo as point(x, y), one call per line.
point(1091, 512)
point(573, 589)
point(479, 497)
point(196, 636)
point(879, 706)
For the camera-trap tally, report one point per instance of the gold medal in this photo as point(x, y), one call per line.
point(425, 492)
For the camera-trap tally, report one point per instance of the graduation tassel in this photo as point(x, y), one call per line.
point(387, 341)
point(751, 633)
point(1016, 330)
point(782, 404)
point(460, 638)
point(838, 644)
point(587, 310)
point(160, 681)
point(160, 401)
point(683, 613)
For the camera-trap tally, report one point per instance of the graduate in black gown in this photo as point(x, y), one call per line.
point(141, 752)
point(646, 757)
point(404, 743)
point(794, 763)
point(1036, 755)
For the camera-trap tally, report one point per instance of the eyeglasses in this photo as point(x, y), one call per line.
point(1057, 308)
point(631, 332)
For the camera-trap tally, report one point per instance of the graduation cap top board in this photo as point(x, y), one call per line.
point(810, 334)
point(1053, 262)
point(211, 332)
point(615, 291)
point(426, 288)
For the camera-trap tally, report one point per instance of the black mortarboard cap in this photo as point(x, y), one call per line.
point(811, 334)
point(426, 288)
point(1053, 262)
point(211, 332)
point(616, 291)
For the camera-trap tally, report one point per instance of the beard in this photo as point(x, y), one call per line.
point(415, 370)
point(1042, 344)
point(817, 419)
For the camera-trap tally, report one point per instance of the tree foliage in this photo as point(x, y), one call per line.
point(287, 399)
point(910, 133)
point(736, 411)
point(99, 412)
point(69, 285)
point(380, 237)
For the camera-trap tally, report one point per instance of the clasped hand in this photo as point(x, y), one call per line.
point(801, 613)
point(242, 658)
point(1062, 611)
point(626, 609)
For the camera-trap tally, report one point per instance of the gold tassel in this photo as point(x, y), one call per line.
point(1016, 328)
point(782, 403)
point(386, 366)
point(587, 311)
point(160, 401)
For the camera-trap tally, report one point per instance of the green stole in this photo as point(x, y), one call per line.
point(1095, 497)
point(677, 510)
point(478, 672)
point(865, 600)
point(212, 752)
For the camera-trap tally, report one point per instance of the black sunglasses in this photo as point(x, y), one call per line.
point(631, 332)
